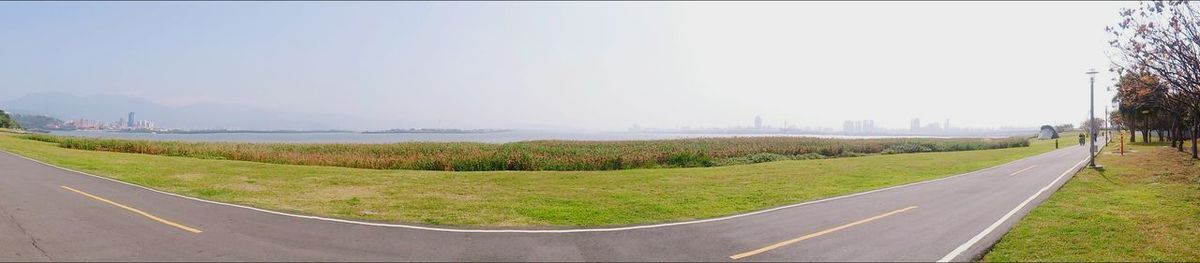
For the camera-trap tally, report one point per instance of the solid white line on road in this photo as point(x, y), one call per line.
point(1022, 170)
point(953, 254)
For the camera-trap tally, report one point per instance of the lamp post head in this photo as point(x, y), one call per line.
point(1092, 72)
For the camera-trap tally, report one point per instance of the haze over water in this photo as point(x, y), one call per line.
point(587, 66)
point(495, 137)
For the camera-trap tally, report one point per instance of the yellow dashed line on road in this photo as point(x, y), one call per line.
point(135, 210)
point(822, 232)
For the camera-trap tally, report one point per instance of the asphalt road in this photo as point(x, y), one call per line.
point(52, 214)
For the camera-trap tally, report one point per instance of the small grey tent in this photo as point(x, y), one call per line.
point(1047, 133)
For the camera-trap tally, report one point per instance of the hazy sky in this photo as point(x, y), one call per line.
point(586, 65)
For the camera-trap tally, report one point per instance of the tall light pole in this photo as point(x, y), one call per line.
point(1092, 117)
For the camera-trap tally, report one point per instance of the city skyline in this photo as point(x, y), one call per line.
point(123, 123)
point(849, 127)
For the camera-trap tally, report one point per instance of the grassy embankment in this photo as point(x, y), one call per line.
point(539, 155)
point(1143, 206)
point(518, 198)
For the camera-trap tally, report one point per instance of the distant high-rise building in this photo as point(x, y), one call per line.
point(130, 120)
point(868, 126)
point(933, 126)
point(857, 127)
point(144, 124)
point(758, 122)
point(915, 125)
point(946, 125)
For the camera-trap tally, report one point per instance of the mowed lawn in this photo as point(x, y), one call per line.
point(1144, 206)
point(519, 198)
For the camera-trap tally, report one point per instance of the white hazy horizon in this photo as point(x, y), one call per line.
point(570, 65)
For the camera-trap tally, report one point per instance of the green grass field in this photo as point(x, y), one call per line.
point(1144, 206)
point(519, 198)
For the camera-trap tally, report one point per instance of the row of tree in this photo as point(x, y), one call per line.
point(1158, 64)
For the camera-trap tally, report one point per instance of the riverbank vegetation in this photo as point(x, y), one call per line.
point(518, 198)
point(540, 155)
point(6, 122)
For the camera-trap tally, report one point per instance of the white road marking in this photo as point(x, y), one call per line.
point(1022, 170)
point(953, 254)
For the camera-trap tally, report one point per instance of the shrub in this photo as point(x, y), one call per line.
point(688, 159)
point(767, 157)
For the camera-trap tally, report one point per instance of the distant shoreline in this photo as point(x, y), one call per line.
point(421, 131)
point(437, 131)
point(230, 131)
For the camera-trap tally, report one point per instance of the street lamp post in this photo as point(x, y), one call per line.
point(1092, 117)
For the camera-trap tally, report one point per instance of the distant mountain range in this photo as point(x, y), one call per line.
point(106, 107)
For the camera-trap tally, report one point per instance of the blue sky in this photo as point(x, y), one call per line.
point(585, 65)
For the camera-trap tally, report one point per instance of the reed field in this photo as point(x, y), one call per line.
point(550, 155)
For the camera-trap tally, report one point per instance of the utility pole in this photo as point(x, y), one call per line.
point(1091, 121)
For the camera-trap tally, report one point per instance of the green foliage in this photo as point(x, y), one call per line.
point(7, 122)
point(38, 122)
point(43, 138)
point(688, 159)
point(919, 146)
point(539, 155)
point(767, 157)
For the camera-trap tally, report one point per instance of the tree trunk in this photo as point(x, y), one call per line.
point(1172, 134)
point(1182, 130)
point(1194, 130)
point(1177, 137)
point(1132, 135)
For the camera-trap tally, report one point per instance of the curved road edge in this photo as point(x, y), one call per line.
point(534, 231)
point(1020, 212)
